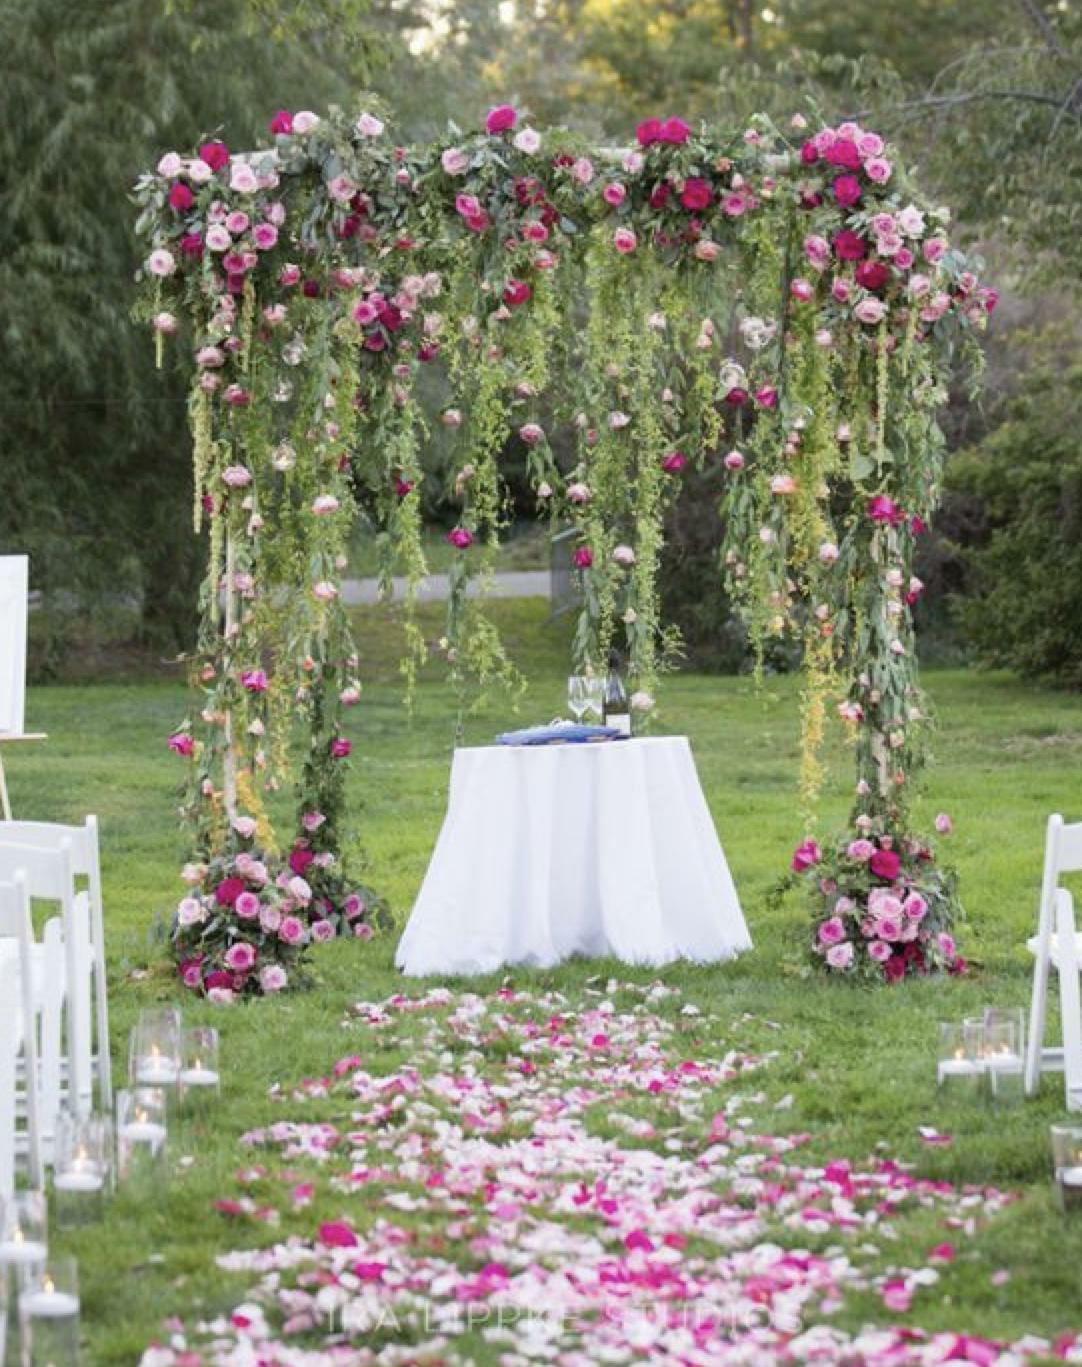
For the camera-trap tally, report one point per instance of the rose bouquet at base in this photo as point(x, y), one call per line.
point(246, 924)
point(883, 909)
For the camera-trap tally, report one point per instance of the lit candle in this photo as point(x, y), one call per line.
point(142, 1130)
point(198, 1076)
point(49, 1303)
point(1071, 1177)
point(156, 1068)
point(81, 1176)
point(19, 1249)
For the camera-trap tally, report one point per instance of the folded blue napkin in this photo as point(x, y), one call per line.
point(563, 733)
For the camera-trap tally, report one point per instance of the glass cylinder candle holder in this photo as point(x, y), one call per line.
point(995, 1017)
point(960, 1068)
point(200, 1077)
point(81, 1169)
point(1067, 1165)
point(140, 1131)
point(24, 1225)
point(1003, 1059)
point(154, 1056)
point(49, 1315)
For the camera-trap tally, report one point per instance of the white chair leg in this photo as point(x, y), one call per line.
point(1038, 1013)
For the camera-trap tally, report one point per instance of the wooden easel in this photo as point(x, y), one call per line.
point(5, 801)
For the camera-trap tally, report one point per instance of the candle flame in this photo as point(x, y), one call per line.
point(18, 1236)
point(49, 1286)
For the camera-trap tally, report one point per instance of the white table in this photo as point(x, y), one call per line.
point(598, 849)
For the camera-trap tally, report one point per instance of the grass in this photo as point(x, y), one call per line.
point(859, 1063)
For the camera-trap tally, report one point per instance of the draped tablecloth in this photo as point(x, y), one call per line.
point(546, 852)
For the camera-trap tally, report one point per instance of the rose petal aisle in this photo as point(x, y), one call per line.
point(533, 1177)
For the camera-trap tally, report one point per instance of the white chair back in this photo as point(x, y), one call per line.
point(9, 1049)
point(81, 844)
point(1062, 855)
point(17, 949)
point(14, 591)
point(49, 876)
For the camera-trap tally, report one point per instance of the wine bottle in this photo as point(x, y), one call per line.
point(617, 708)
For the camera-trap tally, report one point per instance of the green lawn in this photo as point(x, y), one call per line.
point(859, 1063)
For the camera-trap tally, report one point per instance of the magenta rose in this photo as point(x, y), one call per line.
point(228, 890)
point(847, 191)
point(697, 194)
point(886, 864)
point(516, 293)
point(583, 557)
point(300, 860)
point(282, 122)
point(341, 748)
point(806, 856)
point(675, 131)
point(461, 538)
point(180, 196)
point(831, 932)
point(649, 132)
point(844, 152)
point(674, 462)
point(885, 511)
point(850, 246)
point(215, 154)
point(191, 972)
point(501, 119)
point(219, 978)
point(182, 744)
point(873, 275)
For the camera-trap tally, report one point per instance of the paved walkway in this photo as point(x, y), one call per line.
point(436, 588)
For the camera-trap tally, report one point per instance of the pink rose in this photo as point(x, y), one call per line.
point(311, 821)
point(531, 433)
point(182, 744)
point(273, 978)
point(341, 748)
point(734, 460)
point(353, 906)
point(840, 956)
point(625, 241)
point(291, 931)
point(265, 236)
point(614, 193)
point(247, 906)
point(879, 951)
point(943, 824)
point(803, 291)
point(878, 169)
point(870, 311)
point(322, 931)
point(270, 918)
point(454, 161)
point(915, 906)
point(831, 932)
point(299, 889)
point(860, 850)
point(240, 957)
point(946, 944)
point(254, 680)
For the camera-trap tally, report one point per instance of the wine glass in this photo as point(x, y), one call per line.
point(577, 695)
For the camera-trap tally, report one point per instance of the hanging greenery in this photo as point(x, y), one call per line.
point(784, 303)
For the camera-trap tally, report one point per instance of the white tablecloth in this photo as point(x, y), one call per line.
point(550, 851)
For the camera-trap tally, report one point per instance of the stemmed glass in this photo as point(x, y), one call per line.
point(578, 694)
point(595, 698)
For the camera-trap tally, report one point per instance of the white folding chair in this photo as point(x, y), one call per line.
point(85, 863)
point(17, 952)
point(1057, 945)
point(14, 598)
point(49, 877)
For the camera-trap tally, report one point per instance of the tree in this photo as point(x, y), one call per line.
point(96, 452)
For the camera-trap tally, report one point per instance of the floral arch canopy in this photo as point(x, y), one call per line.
point(782, 301)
